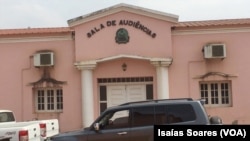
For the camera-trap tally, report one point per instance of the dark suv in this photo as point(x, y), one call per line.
point(136, 120)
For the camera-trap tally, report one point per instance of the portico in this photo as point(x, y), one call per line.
point(86, 67)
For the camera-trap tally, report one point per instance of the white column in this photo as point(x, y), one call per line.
point(162, 77)
point(87, 93)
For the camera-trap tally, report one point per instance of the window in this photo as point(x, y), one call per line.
point(103, 98)
point(114, 120)
point(6, 117)
point(216, 93)
point(180, 113)
point(174, 113)
point(49, 100)
point(143, 116)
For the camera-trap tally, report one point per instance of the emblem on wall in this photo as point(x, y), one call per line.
point(122, 36)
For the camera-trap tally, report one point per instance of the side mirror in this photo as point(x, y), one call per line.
point(97, 126)
point(215, 120)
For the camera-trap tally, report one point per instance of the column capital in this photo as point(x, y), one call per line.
point(159, 62)
point(86, 65)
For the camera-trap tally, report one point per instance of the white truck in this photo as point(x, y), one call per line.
point(20, 131)
point(46, 128)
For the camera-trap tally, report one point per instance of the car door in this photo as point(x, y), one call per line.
point(114, 126)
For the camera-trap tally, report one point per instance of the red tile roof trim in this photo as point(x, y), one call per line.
point(35, 31)
point(213, 23)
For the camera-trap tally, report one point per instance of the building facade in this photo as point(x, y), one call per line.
point(124, 53)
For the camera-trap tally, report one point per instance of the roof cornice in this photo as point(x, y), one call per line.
point(210, 31)
point(26, 31)
point(120, 8)
point(36, 39)
point(212, 24)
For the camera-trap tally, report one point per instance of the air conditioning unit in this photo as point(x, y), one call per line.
point(214, 51)
point(44, 59)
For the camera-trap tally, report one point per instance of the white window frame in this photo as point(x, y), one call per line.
point(215, 96)
point(45, 98)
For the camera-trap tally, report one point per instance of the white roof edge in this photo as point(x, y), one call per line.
point(123, 7)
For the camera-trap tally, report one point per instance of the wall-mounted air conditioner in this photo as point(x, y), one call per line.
point(44, 59)
point(214, 51)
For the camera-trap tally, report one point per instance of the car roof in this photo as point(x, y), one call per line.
point(3, 110)
point(152, 102)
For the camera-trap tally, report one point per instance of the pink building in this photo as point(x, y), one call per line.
point(124, 53)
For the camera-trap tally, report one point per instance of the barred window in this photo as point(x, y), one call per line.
point(49, 100)
point(216, 93)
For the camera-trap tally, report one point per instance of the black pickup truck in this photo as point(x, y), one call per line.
point(136, 120)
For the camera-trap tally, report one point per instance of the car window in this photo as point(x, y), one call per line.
point(115, 119)
point(174, 113)
point(160, 115)
point(6, 117)
point(143, 116)
point(180, 113)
